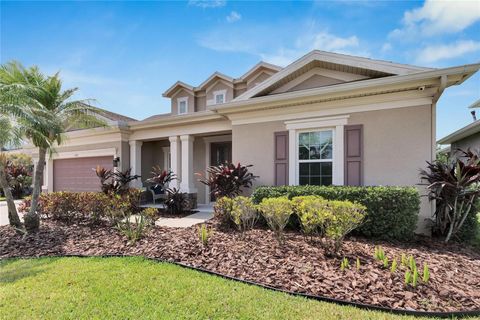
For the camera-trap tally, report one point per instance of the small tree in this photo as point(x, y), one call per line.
point(228, 180)
point(455, 187)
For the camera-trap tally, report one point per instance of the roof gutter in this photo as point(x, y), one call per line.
point(441, 88)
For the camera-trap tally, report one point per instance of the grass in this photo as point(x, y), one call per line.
point(135, 288)
point(2, 198)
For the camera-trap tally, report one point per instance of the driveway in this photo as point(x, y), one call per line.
point(4, 211)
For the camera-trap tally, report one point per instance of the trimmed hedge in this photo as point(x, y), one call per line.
point(392, 212)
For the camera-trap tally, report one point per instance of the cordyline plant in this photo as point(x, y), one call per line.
point(161, 177)
point(455, 187)
point(227, 180)
point(114, 181)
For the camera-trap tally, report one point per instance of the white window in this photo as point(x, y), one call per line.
point(182, 104)
point(219, 98)
point(315, 157)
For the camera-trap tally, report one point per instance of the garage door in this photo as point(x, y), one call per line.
point(77, 174)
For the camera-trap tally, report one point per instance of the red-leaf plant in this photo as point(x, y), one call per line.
point(227, 180)
point(455, 187)
point(161, 177)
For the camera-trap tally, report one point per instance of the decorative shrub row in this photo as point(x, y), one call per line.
point(329, 219)
point(90, 207)
point(391, 213)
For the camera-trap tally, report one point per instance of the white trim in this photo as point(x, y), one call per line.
point(136, 161)
point(208, 142)
point(336, 75)
point(175, 159)
point(216, 93)
point(330, 109)
point(187, 185)
point(317, 122)
point(336, 125)
point(85, 153)
point(180, 100)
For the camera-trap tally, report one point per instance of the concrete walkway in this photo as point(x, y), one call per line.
point(205, 213)
point(4, 212)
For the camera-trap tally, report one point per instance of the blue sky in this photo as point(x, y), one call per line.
point(125, 54)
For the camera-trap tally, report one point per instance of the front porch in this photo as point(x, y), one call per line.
point(185, 156)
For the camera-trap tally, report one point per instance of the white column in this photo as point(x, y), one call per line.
point(175, 160)
point(338, 156)
point(136, 161)
point(292, 154)
point(187, 183)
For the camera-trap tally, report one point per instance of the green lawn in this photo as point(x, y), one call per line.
point(135, 288)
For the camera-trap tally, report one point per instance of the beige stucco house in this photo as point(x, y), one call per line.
point(324, 119)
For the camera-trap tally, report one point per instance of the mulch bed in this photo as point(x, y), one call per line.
point(298, 265)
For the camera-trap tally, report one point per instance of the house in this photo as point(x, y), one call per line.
point(326, 118)
point(464, 138)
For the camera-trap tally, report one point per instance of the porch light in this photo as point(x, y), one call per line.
point(116, 161)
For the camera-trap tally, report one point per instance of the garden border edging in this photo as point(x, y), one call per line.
point(458, 314)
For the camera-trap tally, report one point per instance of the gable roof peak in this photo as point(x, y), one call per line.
point(175, 86)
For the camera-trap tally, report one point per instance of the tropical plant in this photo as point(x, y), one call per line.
point(19, 178)
point(228, 180)
point(133, 229)
point(161, 177)
point(114, 181)
point(54, 113)
point(455, 187)
point(176, 201)
point(276, 212)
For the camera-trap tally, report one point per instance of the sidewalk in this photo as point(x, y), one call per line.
point(205, 213)
point(4, 211)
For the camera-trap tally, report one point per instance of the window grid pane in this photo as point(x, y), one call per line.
point(315, 155)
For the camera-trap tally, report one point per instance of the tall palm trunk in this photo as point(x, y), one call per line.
point(13, 217)
point(32, 219)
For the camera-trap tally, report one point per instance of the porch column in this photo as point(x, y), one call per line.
point(136, 162)
point(175, 164)
point(187, 185)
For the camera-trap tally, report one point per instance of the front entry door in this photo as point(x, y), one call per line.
point(220, 152)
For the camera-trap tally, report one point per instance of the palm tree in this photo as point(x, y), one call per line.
point(16, 116)
point(56, 113)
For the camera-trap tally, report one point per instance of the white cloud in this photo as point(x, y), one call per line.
point(207, 3)
point(234, 16)
point(438, 17)
point(280, 46)
point(436, 53)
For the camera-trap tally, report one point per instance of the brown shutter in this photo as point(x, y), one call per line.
point(354, 155)
point(281, 158)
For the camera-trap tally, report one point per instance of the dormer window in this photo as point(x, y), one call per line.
point(182, 105)
point(219, 96)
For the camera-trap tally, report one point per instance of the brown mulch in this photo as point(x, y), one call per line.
point(298, 265)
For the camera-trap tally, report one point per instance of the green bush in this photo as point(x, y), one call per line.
point(276, 212)
point(92, 207)
point(240, 211)
point(392, 212)
point(328, 218)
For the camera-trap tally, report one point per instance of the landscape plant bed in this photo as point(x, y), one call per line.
point(298, 265)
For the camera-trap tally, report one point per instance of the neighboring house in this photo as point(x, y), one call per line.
point(324, 119)
point(464, 138)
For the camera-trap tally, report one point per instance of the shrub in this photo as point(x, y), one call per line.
point(313, 214)
point(19, 178)
point(90, 207)
point(276, 212)
point(223, 209)
point(115, 181)
point(244, 213)
point(332, 219)
point(204, 234)
point(228, 180)
point(345, 216)
point(391, 213)
point(455, 187)
point(161, 177)
point(176, 201)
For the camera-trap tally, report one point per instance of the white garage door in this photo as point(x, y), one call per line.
point(78, 174)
